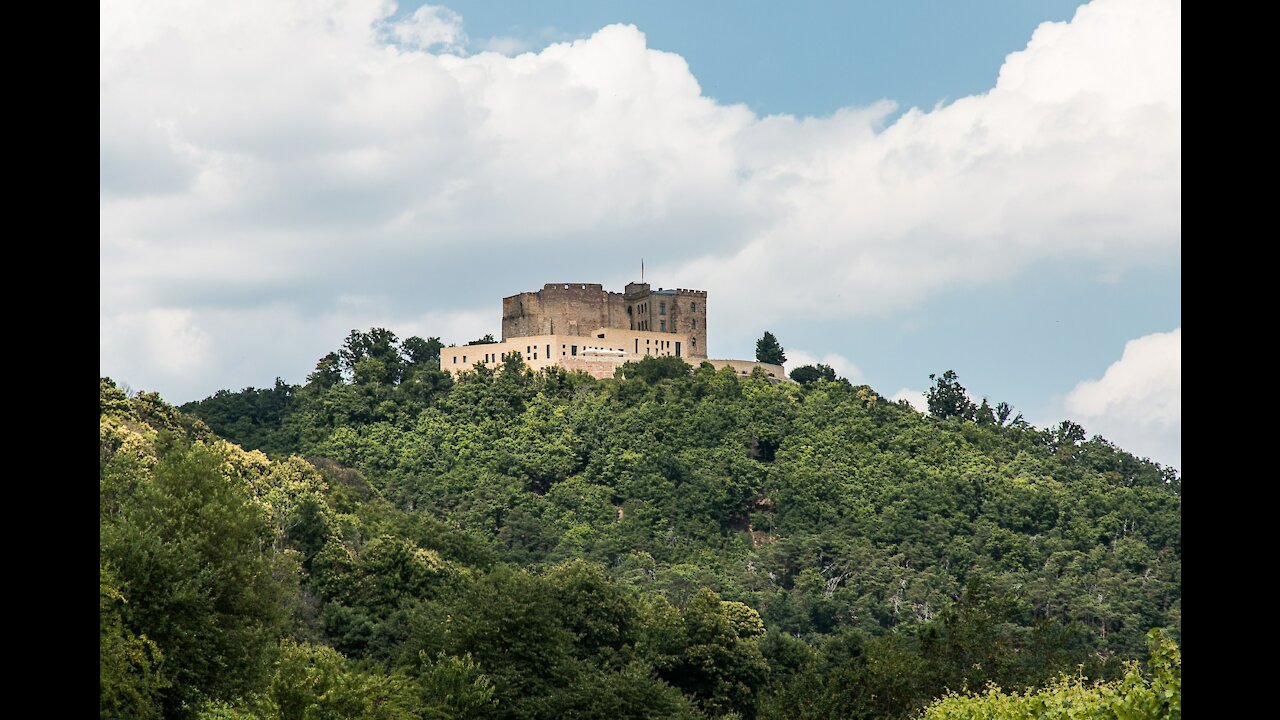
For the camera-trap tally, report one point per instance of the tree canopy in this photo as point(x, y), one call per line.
point(387, 541)
point(809, 374)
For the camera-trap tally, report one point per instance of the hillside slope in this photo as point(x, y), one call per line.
point(682, 542)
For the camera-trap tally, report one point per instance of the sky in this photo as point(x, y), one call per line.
point(894, 189)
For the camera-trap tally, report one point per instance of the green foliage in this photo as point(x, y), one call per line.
point(191, 553)
point(317, 683)
point(652, 369)
point(1134, 696)
point(130, 675)
point(255, 418)
point(711, 652)
point(768, 350)
point(672, 542)
point(809, 374)
point(327, 374)
point(948, 398)
point(371, 357)
point(421, 352)
point(372, 378)
point(452, 687)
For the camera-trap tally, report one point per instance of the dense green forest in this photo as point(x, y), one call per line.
point(679, 542)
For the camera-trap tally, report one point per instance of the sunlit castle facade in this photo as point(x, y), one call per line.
point(581, 326)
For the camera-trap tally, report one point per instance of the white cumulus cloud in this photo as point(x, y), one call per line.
point(265, 159)
point(431, 26)
point(914, 397)
point(1137, 403)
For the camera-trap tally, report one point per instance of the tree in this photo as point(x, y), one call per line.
point(421, 352)
point(486, 340)
point(652, 369)
point(1067, 434)
point(809, 374)
point(711, 651)
point(452, 687)
point(372, 357)
point(985, 414)
point(191, 552)
point(769, 351)
point(1154, 694)
point(851, 525)
point(328, 372)
point(948, 398)
point(129, 668)
point(1004, 411)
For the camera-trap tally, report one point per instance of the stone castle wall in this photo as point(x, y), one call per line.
point(775, 373)
point(561, 309)
point(579, 308)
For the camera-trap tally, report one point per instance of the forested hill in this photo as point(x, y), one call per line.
point(680, 542)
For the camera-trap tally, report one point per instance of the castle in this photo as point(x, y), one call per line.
point(581, 326)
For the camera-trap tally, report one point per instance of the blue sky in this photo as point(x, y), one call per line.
point(801, 58)
point(895, 188)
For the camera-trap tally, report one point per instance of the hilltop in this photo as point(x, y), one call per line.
point(677, 542)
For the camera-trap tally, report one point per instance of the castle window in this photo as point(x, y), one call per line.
point(695, 323)
point(693, 307)
point(548, 351)
point(693, 341)
point(662, 308)
point(455, 359)
point(573, 349)
point(664, 325)
point(464, 358)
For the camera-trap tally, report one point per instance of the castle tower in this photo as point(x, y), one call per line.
point(669, 311)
